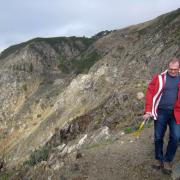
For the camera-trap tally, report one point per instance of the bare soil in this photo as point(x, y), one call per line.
point(128, 158)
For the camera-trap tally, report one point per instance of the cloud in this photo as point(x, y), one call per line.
point(22, 20)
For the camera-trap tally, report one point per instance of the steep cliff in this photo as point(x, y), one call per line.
point(56, 91)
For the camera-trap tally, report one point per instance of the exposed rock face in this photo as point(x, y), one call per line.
point(69, 88)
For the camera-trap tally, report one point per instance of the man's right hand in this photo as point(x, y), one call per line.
point(147, 115)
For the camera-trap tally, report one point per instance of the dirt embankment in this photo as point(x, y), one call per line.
point(125, 158)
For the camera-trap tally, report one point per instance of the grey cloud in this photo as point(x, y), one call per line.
point(21, 20)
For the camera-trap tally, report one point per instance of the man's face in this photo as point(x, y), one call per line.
point(173, 69)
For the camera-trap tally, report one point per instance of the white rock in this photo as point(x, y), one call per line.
point(81, 141)
point(58, 165)
point(64, 151)
point(122, 133)
point(61, 147)
point(71, 148)
point(140, 95)
point(103, 134)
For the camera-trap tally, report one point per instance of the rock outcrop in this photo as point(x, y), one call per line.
point(68, 93)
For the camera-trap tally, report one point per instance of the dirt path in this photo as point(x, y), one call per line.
point(127, 158)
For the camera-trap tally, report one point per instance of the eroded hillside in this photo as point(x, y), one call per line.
point(66, 93)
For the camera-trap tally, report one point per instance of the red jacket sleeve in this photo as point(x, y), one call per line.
point(150, 94)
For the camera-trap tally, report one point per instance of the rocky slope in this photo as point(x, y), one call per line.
point(126, 157)
point(59, 95)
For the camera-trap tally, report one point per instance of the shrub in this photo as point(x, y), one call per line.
point(6, 175)
point(37, 156)
point(80, 65)
point(31, 68)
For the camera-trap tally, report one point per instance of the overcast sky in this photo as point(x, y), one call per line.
point(21, 20)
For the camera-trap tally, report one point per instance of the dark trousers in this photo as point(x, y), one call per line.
point(166, 118)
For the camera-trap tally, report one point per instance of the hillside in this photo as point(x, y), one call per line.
point(125, 157)
point(62, 95)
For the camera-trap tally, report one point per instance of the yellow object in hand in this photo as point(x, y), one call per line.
point(137, 133)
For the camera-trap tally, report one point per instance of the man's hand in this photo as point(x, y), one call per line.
point(147, 115)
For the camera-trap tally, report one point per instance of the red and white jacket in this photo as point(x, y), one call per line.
point(154, 93)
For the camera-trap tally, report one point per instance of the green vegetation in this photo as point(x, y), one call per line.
point(37, 156)
point(31, 68)
point(134, 127)
point(80, 65)
point(64, 65)
point(164, 20)
point(170, 17)
point(54, 42)
point(71, 41)
point(101, 34)
point(177, 39)
point(84, 63)
point(131, 128)
point(6, 175)
point(24, 87)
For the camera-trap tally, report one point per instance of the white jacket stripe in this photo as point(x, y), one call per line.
point(155, 103)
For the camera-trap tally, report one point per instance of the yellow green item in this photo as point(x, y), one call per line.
point(137, 133)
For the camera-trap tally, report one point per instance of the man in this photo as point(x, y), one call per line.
point(163, 104)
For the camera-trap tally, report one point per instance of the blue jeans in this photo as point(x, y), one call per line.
point(166, 118)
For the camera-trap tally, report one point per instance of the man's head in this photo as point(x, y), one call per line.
point(174, 67)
